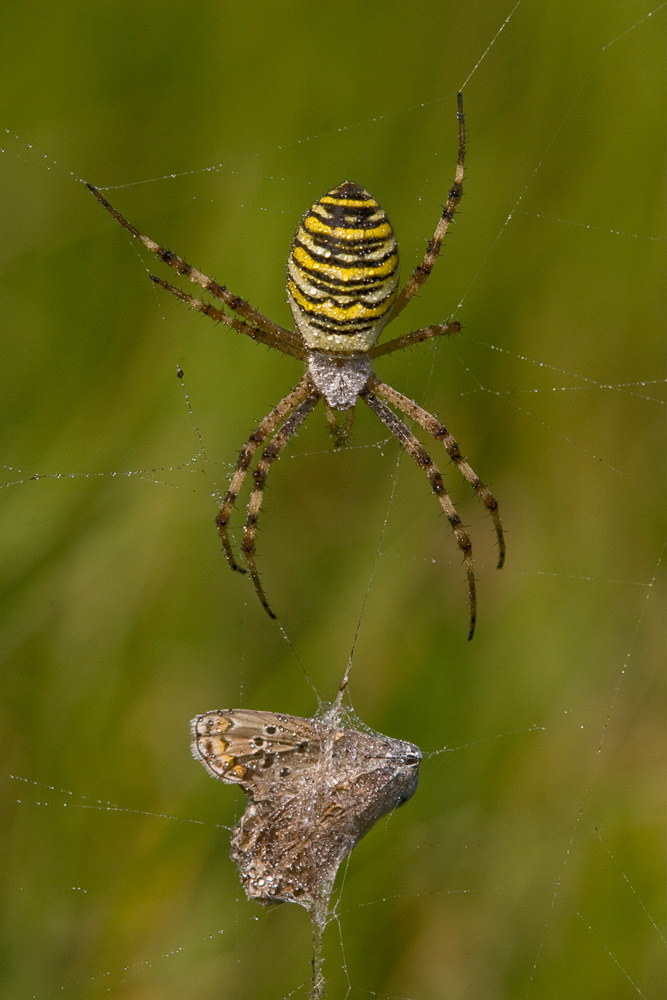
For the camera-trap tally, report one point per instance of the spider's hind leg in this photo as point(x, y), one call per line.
point(340, 430)
point(425, 266)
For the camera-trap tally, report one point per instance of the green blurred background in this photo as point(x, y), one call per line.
point(531, 861)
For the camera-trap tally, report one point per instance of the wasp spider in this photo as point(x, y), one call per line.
point(342, 286)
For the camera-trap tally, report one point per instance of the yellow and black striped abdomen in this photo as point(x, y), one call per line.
point(342, 273)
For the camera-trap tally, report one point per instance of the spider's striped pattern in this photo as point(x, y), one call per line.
point(342, 274)
point(342, 286)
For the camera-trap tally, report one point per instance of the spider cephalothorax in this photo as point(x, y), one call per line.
point(342, 286)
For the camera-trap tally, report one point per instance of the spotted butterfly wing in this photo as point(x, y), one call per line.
point(252, 749)
point(315, 789)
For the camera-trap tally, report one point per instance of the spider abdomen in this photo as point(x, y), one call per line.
point(342, 273)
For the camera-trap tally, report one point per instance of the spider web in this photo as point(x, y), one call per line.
point(531, 856)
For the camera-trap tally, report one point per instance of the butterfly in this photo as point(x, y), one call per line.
point(315, 788)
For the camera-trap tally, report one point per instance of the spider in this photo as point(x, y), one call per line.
point(342, 286)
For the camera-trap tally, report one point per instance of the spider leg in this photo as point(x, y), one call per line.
point(261, 336)
point(270, 453)
point(340, 432)
point(425, 266)
point(414, 448)
point(414, 337)
point(234, 302)
point(440, 433)
point(264, 430)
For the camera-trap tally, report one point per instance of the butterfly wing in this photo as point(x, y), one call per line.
point(289, 847)
point(314, 791)
point(255, 750)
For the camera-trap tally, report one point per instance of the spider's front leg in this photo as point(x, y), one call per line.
point(419, 454)
point(264, 430)
point(440, 433)
point(269, 455)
